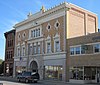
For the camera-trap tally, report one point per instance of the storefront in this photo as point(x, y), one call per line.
point(53, 72)
point(20, 67)
point(86, 74)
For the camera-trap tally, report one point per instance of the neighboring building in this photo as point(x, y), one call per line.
point(9, 52)
point(41, 40)
point(84, 57)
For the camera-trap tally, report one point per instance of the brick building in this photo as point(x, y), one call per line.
point(41, 40)
point(9, 52)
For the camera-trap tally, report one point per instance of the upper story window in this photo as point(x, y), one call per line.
point(34, 48)
point(36, 32)
point(77, 50)
point(30, 49)
point(39, 49)
point(48, 27)
point(24, 34)
point(56, 43)
point(57, 46)
point(72, 51)
point(19, 37)
point(18, 51)
point(96, 48)
point(23, 50)
point(48, 47)
point(57, 24)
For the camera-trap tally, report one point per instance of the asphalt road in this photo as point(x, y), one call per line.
point(18, 83)
point(3, 82)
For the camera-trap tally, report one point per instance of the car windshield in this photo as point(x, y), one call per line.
point(27, 73)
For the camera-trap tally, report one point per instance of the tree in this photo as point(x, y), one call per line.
point(1, 61)
point(1, 66)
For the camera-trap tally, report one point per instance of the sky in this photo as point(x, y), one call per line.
point(14, 11)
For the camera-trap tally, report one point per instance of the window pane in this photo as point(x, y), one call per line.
point(82, 50)
point(96, 48)
point(35, 49)
point(71, 51)
point(48, 48)
point(57, 46)
point(38, 48)
point(77, 50)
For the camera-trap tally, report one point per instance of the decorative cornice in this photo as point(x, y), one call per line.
point(47, 12)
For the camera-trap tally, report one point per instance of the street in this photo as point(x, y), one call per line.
point(3, 82)
point(18, 83)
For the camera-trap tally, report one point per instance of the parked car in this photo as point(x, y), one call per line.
point(28, 77)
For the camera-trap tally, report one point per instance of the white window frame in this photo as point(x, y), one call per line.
point(48, 40)
point(39, 49)
point(19, 38)
point(94, 48)
point(47, 26)
point(75, 50)
point(36, 32)
point(23, 51)
point(56, 38)
point(56, 23)
point(34, 49)
point(18, 51)
point(23, 35)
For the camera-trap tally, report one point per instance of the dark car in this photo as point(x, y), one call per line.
point(28, 77)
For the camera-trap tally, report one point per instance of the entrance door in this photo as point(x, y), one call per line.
point(34, 66)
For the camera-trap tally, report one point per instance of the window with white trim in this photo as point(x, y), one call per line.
point(19, 37)
point(48, 47)
point(30, 49)
point(23, 35)
point(96, 48)
point(23, 50)
point(57, 46)
point(72, 51)
point(39, 49)
point(77, 50)
point(56, 43)
point(18, 51)
point(48, 27)
point(57, 24)
point(36, 32)
point(34, 48)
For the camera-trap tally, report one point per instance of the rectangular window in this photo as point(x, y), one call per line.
point(39, 49)
point(39, 32)
point(77, 50)
point(34, 33)
point(82, 50)
point(71, 51)
point(57, 46)
point(48, 48)
point(97, 48)
point(34, 49)
point(23, 51)
point(30, 50)
point(18, 51)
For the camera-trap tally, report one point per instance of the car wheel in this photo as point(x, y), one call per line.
point(26, 80)
point(18, 80)
point(35, 81)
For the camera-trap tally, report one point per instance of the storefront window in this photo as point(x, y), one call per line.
point(53, 72)
point(76, 73)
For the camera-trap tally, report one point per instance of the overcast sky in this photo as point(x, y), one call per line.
point(14, 11)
